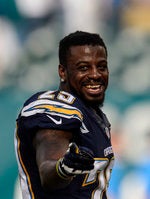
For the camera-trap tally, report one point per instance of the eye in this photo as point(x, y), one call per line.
point(102, 67)
point(83, 67)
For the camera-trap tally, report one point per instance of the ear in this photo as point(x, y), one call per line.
point(62, 72)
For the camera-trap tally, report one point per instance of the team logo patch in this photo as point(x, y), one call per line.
point(108, 151)
point(54, 120)
point(83, 128)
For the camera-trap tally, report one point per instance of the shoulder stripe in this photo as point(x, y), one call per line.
point(52, 108)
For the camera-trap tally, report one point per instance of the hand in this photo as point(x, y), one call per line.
point(77, 160)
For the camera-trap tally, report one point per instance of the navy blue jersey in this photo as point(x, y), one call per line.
point(61, 110)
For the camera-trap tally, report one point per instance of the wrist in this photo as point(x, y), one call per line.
point(61, 172)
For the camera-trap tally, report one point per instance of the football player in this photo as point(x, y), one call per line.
point(62, 141)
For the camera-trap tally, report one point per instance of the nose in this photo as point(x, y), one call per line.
point(94, 73)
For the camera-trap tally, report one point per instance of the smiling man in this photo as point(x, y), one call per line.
point(86, 72)
point(62, 140)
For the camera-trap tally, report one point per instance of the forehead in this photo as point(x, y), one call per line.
point(87, 50)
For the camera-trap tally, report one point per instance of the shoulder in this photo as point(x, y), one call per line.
point(50, 110)
point(34, 97)
point(52, 105)
point(53, 95)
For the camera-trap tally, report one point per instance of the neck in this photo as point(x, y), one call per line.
point(64, 87)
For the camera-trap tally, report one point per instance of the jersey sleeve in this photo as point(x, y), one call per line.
point(49, 114)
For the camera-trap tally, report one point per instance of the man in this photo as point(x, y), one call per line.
point(62, 140)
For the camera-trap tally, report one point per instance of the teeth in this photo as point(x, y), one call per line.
point(93, 86)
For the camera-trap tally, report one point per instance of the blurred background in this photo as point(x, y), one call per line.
point(29, 36)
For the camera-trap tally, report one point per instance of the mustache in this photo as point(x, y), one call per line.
point(95, 82)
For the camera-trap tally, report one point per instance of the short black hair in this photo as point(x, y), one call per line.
point(78, 38)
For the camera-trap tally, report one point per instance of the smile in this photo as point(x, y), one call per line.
point(95, 89)
point(93, 86)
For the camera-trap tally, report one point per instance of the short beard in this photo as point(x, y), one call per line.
point(94, 104)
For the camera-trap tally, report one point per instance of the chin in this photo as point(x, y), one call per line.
point(95, 102)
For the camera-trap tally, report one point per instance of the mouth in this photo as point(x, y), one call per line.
point(95, 89)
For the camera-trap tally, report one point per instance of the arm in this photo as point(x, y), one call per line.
point(51, 145)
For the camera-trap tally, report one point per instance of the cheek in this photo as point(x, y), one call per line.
point(75, 81)
point(71, 78)
point(106, 76)
point(75, 77)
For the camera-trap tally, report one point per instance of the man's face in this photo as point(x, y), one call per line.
point(86, 73)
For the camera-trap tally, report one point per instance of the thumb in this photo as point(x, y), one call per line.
point(73, 148)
